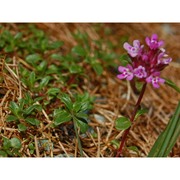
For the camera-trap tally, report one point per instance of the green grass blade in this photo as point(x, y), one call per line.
point(167, 139)
point(157, 145)
point(171, 84)
point(173, 138)
point(170, 131)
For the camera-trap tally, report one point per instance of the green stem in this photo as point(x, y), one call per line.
point(126, 132)
point(77, 136)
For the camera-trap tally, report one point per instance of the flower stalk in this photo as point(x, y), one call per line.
point(126, 132)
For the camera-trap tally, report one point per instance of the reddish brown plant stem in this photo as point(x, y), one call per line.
point(119, 152)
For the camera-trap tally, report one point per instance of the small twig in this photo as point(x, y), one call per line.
point(8, 129)
point(99, 139)
point(4, 98)
point(109, 132)
point(36, 146)
point(76, 148)
point(45, 114)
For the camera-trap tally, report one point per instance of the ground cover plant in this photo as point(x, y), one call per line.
point(60, 95)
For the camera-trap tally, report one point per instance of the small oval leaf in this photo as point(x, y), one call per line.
point(22, 127)
point(62, 117)
point(79, 50)
point(15, 143)
point(33, 121)
point(122, 123)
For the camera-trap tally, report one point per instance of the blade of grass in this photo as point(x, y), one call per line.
point(157, 145)
point(170, 131)
point(171, 84)
point(167, 139)
point(173, 138)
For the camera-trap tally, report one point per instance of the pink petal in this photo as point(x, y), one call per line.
point(133, 54)
point(155, 85)
point(127, 46)
point(130, 76)
point(161, 55)
point(121, 76)
point(167, 61)
point(154, 37)
point(160, 43)
point(147, 41)
point(149, 79)
point(136, 43)
point(121, 69)
point(129, 67)
point(161, 80)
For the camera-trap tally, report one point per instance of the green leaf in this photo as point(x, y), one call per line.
point(52, 69)
point(66, 100)
point(33, 121)
point(82, 115)
point(140, 112)
point(11, 118)
point(6, 143)
point(3, 153)
point(56, 56)
point(44, 82)
point(97, 68)
point(18, 36)
point(62, 117)
point(56, 44)
point(28, 99)
point(133, 148)
point(14, 108)
point(82, 125)
point(53, 91)
point(122, 123)
point(116, 143)
point(166, 140)
point(79, 50)
point(22, 127)
point(22, 102)
point(125, 59)
point(32, 79)
point(42, 66)
point(172, 84)
point(9, 49)
point(31, 146)
point(2, 43)
point(30, 109)
point(31, 151)
point(15, 143)
point(75, 69)
point(33, 58)
point(77, 106)
point(85, 106)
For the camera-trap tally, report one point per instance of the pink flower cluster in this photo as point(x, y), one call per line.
point(146, 63)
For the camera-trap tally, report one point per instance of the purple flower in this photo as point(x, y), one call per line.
point(134, 50)
point(146, 64)
point(153, 42)
point(140, 72)
point(155, 79)
point(163, 58)
point(126, 72)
